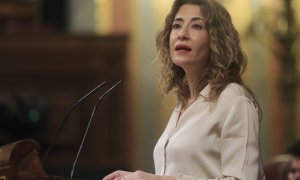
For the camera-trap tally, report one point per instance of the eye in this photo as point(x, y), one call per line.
point(176, 26)
point(197, 26)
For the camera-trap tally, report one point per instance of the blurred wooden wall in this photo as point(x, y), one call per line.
point(43, 72)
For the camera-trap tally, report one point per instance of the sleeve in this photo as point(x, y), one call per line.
point(239, 144)
point(186, 177)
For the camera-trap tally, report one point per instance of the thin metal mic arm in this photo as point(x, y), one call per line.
point(88, 126)
point(67, 116)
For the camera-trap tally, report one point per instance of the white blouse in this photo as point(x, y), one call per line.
point(212, 141)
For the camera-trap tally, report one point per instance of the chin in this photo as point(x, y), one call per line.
point(180, 61)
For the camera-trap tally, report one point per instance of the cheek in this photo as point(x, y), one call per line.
point(171, 40)
point(171, 43)
point(204, 46)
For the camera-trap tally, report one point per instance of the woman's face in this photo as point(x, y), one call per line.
point(189, 39)
point(294, 171)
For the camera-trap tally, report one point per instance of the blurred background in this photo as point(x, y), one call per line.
point(52, 52)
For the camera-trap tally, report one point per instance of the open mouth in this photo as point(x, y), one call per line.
point(182, 47)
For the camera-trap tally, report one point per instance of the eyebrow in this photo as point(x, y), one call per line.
point(193, 19)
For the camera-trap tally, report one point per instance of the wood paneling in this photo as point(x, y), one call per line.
point(49, 72)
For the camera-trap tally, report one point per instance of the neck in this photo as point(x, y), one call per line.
point(192, 83)
point(193, 78)
point(189, 102)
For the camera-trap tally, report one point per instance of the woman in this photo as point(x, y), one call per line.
point(213, 132)
point(294, 164)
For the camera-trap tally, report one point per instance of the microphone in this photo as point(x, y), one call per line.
point(89, 123)
point(67, 116)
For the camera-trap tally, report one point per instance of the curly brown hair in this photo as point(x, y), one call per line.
point(227, 60)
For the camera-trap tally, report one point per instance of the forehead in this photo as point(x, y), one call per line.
point(189, 10)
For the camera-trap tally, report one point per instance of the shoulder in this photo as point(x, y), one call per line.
point(234, 90)
point(236, 101)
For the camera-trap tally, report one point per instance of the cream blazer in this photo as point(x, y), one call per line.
point(212, 141)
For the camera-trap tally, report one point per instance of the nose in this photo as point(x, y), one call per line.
point(183, 34)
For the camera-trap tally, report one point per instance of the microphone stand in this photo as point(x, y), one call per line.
point(88, 126)
point(67, 116)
